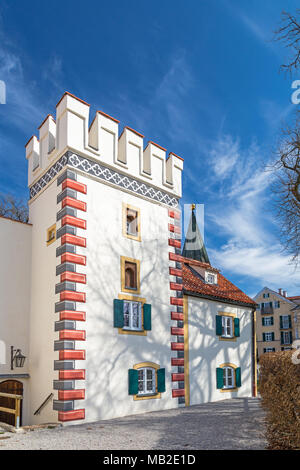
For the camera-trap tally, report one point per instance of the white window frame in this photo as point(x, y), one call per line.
point(285, 322)
point(145, 390)
point(268, 321)
point(269, 335)
point(227, 326)
point(228, 372)
point(130, 326)
point(267, 350)
point(286, 334)
point(210, 278)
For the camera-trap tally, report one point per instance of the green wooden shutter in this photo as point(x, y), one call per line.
point(272, 321)
point(118, 313)
point(147, 316)
point(133, 386)
point(161, 381)
point(219, 325)
point(238, 379)
point(273, 336)
point(236, 327)
point(220, 382)
point(281, 321)
point(291, 337)
point(290, 321)
point(281, 337)
point(264, 337)
point(263, 321)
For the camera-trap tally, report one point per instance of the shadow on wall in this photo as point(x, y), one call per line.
point(106, 369)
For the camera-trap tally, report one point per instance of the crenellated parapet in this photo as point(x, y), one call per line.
point(100, 142)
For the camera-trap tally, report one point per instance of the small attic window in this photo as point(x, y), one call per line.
point(51, 234)
point(210, 278)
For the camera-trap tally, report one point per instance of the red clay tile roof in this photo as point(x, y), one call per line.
point(224, 290)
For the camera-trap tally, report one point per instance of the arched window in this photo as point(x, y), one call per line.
point(228, 377)
point(130, 276)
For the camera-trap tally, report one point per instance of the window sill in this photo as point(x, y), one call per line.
point(122, 331)
point(229, 390)
point(147, 397)
point(225, 338)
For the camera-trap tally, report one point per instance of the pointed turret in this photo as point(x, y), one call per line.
point(194, 247)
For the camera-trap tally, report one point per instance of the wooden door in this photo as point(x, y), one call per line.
point(15, 387)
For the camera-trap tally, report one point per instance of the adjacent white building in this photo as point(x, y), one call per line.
point(112, 318)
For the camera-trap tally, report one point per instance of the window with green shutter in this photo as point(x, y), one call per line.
point(238, 378)
point(146, 380)
point(161, 380)
point(118, 313)
point(228, 377)
point(133, 386)
point(236, 327)
point(147, 316)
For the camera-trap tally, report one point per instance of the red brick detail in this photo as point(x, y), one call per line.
point(73, 239)
point(175, 286)
point(177, 316)
point(177, 377)
point(175, 272)
point(177, 331)
point(71, 415)
point(174, 214)
point(72, 258)
point(178, 392)
point(71, 202)
point(77, 374)
point(72, 315)
point(76, 354)
point(174, 257)
point(176, 301)
point(75, 221)
point(175, 361)
point(177, 346)
point(67, 183)
point(73, 277)
point(174, 228)
point(173, 242)
point(78, 394)
point(78, 335)
point(71, 295)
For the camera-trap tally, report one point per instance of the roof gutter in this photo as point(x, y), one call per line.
point(220, 299)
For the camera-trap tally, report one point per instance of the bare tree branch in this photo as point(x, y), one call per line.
point(13, 208)
point(289, 35)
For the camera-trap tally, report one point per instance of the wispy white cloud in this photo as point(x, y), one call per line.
point(242, 215)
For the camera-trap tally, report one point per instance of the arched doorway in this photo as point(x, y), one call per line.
point(15, 387)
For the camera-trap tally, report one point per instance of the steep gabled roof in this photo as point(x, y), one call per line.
point(224, 290)
point(194, 247)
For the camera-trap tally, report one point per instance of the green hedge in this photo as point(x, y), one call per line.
point(279, 381)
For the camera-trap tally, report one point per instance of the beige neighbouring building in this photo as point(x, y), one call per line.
point(277, 320)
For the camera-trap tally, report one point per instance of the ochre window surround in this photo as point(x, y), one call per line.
point(132, 298)
point(131, 225)
point(51, 234)
point(233, 316)
point(150, 365)
point(234, 367)
point(130, 275)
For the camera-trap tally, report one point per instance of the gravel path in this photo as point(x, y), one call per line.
point(229, 424)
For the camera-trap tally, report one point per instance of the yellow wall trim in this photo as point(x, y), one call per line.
point(123, 259)
point(124, 224)
point(49, 237)
point(186, 351)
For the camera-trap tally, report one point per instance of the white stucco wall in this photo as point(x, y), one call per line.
point(15, 255)
point(109, 354)
point(42, 317)
point(207, 352)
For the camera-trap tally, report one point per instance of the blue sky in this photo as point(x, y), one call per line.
point(200, 78)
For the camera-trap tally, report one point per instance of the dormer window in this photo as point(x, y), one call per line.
point(210, 278)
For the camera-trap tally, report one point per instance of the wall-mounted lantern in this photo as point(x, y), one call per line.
point(16, 357)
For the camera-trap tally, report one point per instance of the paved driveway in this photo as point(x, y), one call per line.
point(229, 424)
